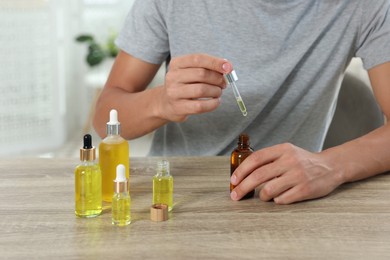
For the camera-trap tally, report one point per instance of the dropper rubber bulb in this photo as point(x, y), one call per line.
point(87, 152)
point(120, 173)
point(113, 126)
point(113, 117)
point(87, 142)
point(121, 184)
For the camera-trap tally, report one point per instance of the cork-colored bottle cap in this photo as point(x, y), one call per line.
point(159, 212)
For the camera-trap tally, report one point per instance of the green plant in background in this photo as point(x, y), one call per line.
point(97, 52)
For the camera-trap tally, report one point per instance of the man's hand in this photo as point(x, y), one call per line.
point(288, 174)
point(193, 85)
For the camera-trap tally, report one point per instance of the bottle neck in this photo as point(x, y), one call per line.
point(121, 187)
point(88, 163)
point(243, 146)
point(113, 129)
point(243, 142)
point(163, 168)
point(87, 155)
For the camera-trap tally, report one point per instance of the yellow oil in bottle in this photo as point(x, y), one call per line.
point(163, 190)
point(113, 150)
point(121, 215)
point(121, 209)
point(88, 193)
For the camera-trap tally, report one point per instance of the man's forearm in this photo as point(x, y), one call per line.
point(363, 157)
point(136, 111)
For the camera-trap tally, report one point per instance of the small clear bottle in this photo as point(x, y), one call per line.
point(121, 215)
point(113, 150)
point(239, 154)
point(88, 182)
point(163, 185)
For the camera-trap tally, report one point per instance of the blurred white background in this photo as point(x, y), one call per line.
point(47, 87)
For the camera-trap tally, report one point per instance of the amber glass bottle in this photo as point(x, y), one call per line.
point(239, 154)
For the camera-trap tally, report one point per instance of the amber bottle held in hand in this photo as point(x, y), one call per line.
point(239, 154)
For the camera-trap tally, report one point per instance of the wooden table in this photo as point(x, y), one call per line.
point(37, 217)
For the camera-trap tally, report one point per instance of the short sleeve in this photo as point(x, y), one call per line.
point(144, 33)
point(373, 45)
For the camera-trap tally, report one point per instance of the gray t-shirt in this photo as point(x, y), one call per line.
point(290, 57)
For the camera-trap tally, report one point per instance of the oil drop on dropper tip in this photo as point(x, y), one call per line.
point(231, 79)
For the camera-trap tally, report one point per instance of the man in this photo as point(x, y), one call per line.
point(289, 56)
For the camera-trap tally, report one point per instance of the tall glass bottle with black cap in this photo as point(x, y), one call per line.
point(88, 182)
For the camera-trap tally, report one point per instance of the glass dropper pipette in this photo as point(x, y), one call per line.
point(231, 79)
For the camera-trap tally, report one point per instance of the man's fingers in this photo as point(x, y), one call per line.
point(193, 85)
point(201, 61)
point(276, 187)
point(297, 193)
point(196, 75)
point(203, 91)
point(256, 178)
point(254, 161)
point(192, 107)
point(195, 91)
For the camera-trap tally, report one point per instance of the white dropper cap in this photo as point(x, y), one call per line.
point(120, 173)
point(113, 117)
point(121, 184)
point(113, 126)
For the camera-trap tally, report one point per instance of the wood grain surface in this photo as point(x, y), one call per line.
point(37, 218)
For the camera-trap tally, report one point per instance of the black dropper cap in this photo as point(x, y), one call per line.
point(87, 141)
point(87, 153)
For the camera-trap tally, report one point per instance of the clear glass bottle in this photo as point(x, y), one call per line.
point(239, 154)
point(163, 185)
point(121, 215)
point(88, 182)
point(113, 150)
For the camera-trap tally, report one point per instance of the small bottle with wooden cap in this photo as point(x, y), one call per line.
point(88, 182)
point(121, 199)
point(163, 185)
point(239, 154)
